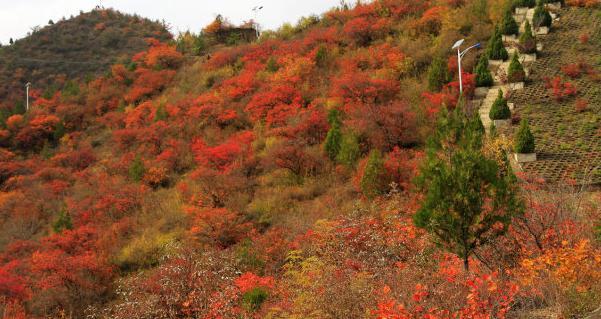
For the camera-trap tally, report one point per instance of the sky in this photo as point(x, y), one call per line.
point(17, 17)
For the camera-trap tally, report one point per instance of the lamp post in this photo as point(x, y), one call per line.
point(27, 86)
point(460, 55)
point(256, 13)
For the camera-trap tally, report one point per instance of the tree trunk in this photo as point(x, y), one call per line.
point(466, 263)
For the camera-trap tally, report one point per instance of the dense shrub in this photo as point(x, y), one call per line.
point(483, 75)
point(542, 17)
point(499, 109)
point(524, 140)
point(373, 181)
point(496, 49)
point(524, 3)
point(508, 24)
point(527, 42)
point(516, 72)
point(438, 74)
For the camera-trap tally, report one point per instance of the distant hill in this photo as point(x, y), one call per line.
point(85, 45)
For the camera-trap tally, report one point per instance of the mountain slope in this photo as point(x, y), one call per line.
point(81, 46)
point(274, 180)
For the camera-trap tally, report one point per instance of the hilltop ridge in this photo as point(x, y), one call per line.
point(75, 48)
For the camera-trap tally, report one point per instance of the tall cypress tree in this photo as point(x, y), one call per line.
point(468, 200)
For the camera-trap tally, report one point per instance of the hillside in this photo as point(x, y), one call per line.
point(76, 48)
point(330, 169)
point(568, 127)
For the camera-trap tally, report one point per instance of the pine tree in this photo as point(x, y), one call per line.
point(137, 169)
point(59, 132)
point(499, 109)
point(349, 150)
point(62, 222)
point(4, 115)
point(438, 74)
point(527, 41)
point(334, 137)
point(160, 114)
point(321, 57)
point(272, 65)
point(542, 17)
point(524, 140)
point(19, 108)
point(525, 3)
point(496, 49)
point(468, 200)
point(516, 72)
point(483, 76)
point(372, 182)
point(508, 24)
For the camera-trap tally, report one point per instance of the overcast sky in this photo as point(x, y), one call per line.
point(17, 17)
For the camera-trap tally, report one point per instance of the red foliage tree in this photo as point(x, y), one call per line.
point(356, 87)
point(223, 157)
point(275, 105)
point(68, 273)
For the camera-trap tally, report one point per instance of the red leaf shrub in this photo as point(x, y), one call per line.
point(581, 105)
point(275, 105)
point(223, 157)
point(560, 89)
point(575, 70)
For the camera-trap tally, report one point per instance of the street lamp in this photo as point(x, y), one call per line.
point(256, 13)
point(460, 55)
point(27, 86)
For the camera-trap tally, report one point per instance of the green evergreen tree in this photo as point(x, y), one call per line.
point(372, 182)
point(137, 169)
point(254, 298)
point(468, 200)
point(483, 76)
point(525, 3)
point(200, 45)
point(334, 117)
point(349, 150)
point(542, 17)
point(62, 222)
point(496, 49)
point(334, 138)
point(438, 74)
point(4, 115)
point(516, 72)
point(499, 109)
point(321, 57)
point(508, 24)
point(272, 65)
point(524, 140)
point(71, 88)
point(59, 132)
point(19, 108)
point(527, 43)
point(160, 114)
